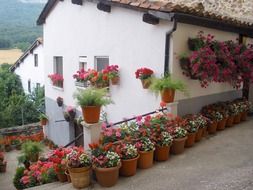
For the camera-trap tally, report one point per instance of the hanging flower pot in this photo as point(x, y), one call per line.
point(145, 83)
point(178, 145)
point(62, 177)
point(146, 159)
point(237, 118)
point(244, 116)
point(230, 121)
point(199, 134)
point(91, 114)
point(115, 80)
point(59, 101)
point(190, 140)
point(107, 177)
point(128, 167)
point(162, 153)
point(212, 127)
point(80, 177)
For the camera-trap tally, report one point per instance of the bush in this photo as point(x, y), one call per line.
point(18, 175)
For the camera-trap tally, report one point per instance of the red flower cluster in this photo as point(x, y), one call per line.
point(143, 73)
point(55, 78)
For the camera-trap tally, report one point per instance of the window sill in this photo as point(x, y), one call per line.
point(58, 88)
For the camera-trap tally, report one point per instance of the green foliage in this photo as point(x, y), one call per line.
point(30, 148)
point(43, 116)
point(18, 175)
point(92, 97)
point(166, 82)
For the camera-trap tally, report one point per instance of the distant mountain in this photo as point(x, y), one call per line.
point(18, 22)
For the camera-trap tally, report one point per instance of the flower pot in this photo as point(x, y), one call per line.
point(7, 148)
point(33, 157)
point(146, 159)
point(205, 132)
point(18, 146)
point(91, 114)
point(62, 177)
point(244, 116)
point(145, 83)
point(212, 127)
point(230, 121)
point(190, 140)
point(27, 164)
point(43, 121)
point(168, 95)
point(3, 167)
point(199, 134)
point(107, 177)
point(115, 80)
point(80, 177)
point(177, 146)
point(128, 167)
point(162, 153)
point(237, 118)
point(222, 124)
point(68, 176)
point(59, 101)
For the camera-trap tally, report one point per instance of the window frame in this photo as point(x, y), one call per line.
point(96, 64)
point(59, 84)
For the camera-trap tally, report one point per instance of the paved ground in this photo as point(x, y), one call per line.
point(221, 162)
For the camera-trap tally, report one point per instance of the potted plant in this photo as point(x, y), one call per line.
point(144, 74)
point(23, 159)
point(129, 156)
point(7, 145)
point(81, 77)
point(56, 79)
point(179, 138)
point(69, 114)
point(16, 143)
point(146, 150)
point(113, 73)
point(43, 119)
point(3, 163)
point(31, 150)
point(191, 126)
point(232, 111)
point(79, 166)
point(91, 101)
point(59, 101)
point(166, 86)
point(202, 127)
point(162, 146)
point(106, 164)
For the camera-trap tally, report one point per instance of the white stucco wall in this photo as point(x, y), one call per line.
point(180, 38)
point(27, 71)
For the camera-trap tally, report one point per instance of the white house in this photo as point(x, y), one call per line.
point(30, 66)
point(131, 34)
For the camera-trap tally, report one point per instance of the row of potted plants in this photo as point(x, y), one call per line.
point(216, 61)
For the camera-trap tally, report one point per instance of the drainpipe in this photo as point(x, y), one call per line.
point(167, 47)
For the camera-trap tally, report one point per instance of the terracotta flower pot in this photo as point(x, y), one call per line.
point(168, 95)
point(115, 80)
point(230, 121)
point(68, 176)
point(128, 167)
point(34, 157)
point(212, 127)
point(107, 177)
point(162, 153)
point(222, 124)
point(190, 140)
point(80, 177)
point(62, 177)
point(177, 146)
point(43, 122)
point(244, 116)
point(146, 159)
point(91, 114)
point(199, 135)
point(205, 132)
point(237, 118)
point(3, 167)
point(145, 83)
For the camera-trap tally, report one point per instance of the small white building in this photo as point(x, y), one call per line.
point(131, 34)
point(30, 66)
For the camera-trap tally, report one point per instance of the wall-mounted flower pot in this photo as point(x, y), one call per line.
point(222, 124)
point(81, 84)
point(199, 135)
point(162, 153)
point(212, 127)
point(168, 95)
point(62, 177)
point(237, 118)
point(91, 114)
point(115, 81)
point(107, 177)
point(80, 177)
point(145, 83)
point(244, 116)
point(128, 167)
point(146, 159)
point(59, 101)
point(230, 121)
point(190, 140)
point(177, 146)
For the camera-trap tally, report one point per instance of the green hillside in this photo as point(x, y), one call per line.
point(18, 23)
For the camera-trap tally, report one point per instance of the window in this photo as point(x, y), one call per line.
point(101, 63)
point(83, 62)
point(29, 86)
point(35, 60)
point(58, 69)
